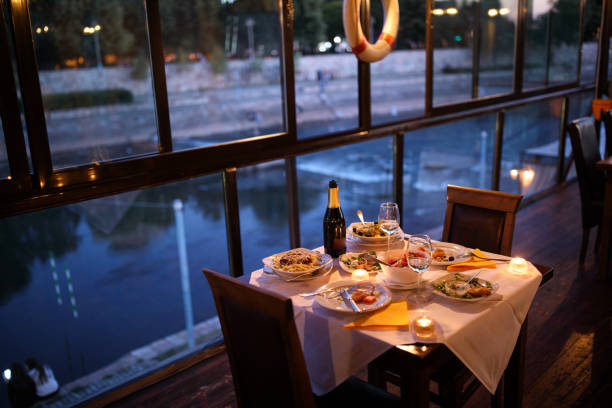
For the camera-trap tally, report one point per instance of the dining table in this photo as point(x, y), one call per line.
point(487, 335)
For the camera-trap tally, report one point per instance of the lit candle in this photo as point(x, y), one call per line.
point(424, 326)
point(518, 266)
point(360, 274)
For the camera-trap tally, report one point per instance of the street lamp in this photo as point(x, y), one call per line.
point(95, 31)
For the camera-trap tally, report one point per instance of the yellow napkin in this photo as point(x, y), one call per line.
point(391, 317)
point(474, 263)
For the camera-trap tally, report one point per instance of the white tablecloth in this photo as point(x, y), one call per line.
point(481, 334)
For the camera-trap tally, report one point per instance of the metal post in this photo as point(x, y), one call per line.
point(398, 173)
point(293, 209)
point(562, 131)
point(232, 222)
point(429, 58)
point(476, 51)
point(519, 46)
point(483, 158)
point(363, 73)
point(601, 79)
point(548, 47)
point(497, 156)
point(186, 289)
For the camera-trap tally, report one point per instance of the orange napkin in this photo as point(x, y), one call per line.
point(474, 263)
point(391, 317)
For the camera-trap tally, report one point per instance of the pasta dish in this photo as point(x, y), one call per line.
point(297, 260)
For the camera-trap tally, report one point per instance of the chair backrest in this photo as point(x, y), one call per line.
point(481, 219)
point(591, 181)
point(262, 343)
point(607, 120)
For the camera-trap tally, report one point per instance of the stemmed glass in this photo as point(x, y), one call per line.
point(389, 219)
point(419, 258)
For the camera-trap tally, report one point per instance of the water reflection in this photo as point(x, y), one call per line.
point(28, 238)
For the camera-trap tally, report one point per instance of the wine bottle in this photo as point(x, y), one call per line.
point(334, 225)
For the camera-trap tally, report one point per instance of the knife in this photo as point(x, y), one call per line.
point(349, 300)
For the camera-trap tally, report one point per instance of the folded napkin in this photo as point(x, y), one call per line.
point(476, 262)
point(391, 317)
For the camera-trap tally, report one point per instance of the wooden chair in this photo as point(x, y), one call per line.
point(591, 181)
point(265, 354)
point(482, 219)
point(474, 218)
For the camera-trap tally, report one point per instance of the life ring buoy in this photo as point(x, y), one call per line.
point(361, 47)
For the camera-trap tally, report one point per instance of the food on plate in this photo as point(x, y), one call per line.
point(359, 261)
point(369, 230)
point(365, 293)
point(398, 262)
point(440, 255)
point(479, 291)
point(297, 260)
point(455, 287)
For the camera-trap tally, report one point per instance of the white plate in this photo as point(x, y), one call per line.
point(459, 252)
point(349, 269)
point(333, 300)
point(371, 240)
point(299, 278)
point(380, 278)
point(451, 276)
point(324, 259)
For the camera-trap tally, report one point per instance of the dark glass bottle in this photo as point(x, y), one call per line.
point(334, 226)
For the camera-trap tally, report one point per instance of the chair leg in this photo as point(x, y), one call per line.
point(597, 239)
point(585, 243)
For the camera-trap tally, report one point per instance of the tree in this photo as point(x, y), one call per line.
point(308, 26)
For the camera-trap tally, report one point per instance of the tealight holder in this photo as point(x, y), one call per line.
point(424, 326)
point(517, 266)
point(360, 275)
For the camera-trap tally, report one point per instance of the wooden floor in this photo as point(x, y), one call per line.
point(569, 347)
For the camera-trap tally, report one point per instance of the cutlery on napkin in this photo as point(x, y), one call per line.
point(479, 260)
point(391, 317)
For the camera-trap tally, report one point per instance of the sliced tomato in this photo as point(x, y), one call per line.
point(368, 299)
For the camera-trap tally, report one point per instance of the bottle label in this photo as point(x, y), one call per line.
point(339, 244)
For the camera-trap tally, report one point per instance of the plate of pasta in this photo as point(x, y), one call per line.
point(296, 262)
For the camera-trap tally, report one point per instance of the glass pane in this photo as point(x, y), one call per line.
point(496, 62)
point(222, 69)
point(93, 62)
point(103, 281)
point(531, 147)
point(364, 175)
point(398, 81)
point(590, 32)
point(264, 222)
point(5, 171)
point(551, 42)
point(325, 70)
point(458, 153)
point(453, 50)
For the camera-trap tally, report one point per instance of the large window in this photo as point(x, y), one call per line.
point(531, 147)
point(95, 77)
point(473, 49)
point(100, 287)
point(222, 70)
point(398, 81)
point(457, 153)
point(364, 175)
point(325, 70)
point(551, 42)
point(262, 195)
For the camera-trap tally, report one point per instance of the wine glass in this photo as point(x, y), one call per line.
point(419, 257)
point(388, 219)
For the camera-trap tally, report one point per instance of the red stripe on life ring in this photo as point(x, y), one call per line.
point(359, 48)
point(388, 38)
